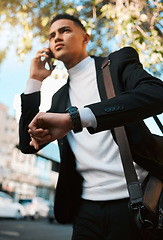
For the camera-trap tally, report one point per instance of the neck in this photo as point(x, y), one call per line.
point(74, 61)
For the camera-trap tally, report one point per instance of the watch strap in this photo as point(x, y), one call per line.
point(75, 117)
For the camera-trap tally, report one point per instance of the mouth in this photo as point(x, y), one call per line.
point(59, 46)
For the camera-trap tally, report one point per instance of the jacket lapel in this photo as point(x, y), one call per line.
point(60, 99)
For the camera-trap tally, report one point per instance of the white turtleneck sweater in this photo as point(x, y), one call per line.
point(97, 155)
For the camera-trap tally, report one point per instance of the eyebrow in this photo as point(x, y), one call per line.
point(59, 30)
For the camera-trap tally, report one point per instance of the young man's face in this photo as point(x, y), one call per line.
point(68, 41)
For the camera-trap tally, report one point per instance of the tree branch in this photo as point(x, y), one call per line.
point(141, 31)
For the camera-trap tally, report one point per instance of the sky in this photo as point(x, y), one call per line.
point(13, 77)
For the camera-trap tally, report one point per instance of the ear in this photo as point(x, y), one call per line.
point(86, 38)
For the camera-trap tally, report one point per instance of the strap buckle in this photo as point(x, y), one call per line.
point(107, 63)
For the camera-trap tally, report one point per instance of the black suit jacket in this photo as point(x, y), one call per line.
point(138, 96)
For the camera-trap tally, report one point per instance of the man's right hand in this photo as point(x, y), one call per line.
point(47, 127)
point(37, 69)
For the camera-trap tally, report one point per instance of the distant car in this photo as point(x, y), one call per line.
point(35, 207)
point(9, 208)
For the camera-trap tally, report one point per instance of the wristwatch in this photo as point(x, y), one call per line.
point(75, 117)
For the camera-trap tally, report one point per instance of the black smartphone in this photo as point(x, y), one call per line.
point(51, 60)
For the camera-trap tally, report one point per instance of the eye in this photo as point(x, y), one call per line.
point(51, 36)
point(66, 30)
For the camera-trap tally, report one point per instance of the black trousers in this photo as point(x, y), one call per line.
point(105, 220)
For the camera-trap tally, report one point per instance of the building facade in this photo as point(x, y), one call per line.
point(23, 175)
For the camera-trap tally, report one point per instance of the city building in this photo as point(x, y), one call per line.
point(25, 175)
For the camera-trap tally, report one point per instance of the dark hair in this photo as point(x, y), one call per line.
point(69, 17)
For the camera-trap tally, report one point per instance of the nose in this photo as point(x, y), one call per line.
point(58, 37)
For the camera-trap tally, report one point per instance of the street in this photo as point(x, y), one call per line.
point(27, 229)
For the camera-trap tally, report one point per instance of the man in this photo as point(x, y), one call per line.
point(91, 190)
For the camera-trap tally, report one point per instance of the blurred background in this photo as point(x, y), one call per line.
point(24, 25)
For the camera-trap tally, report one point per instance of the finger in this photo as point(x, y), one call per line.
point(34, 143)
point(42, 56)
point(36, 131)
point(39, 139)
point(34, 123)
point(45, 132)
point(45, 49)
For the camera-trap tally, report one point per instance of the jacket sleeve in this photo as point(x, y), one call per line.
point(140, 98)
point(29, 108)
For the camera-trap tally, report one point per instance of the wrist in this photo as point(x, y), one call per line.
point(74, 116)
point(34, 76)
point(69, 122)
